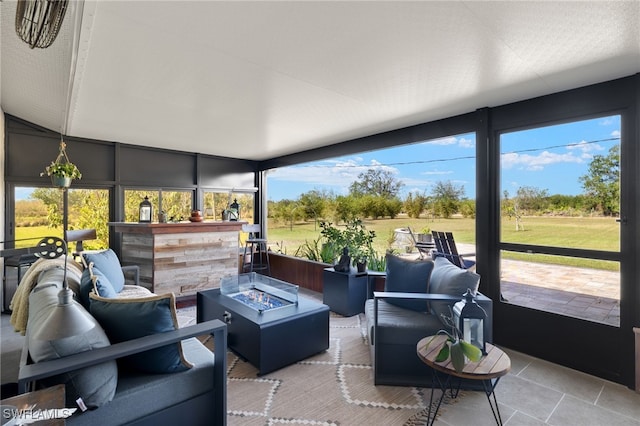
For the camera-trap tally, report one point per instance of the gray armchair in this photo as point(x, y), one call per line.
point(394, 332)
point(417, 294)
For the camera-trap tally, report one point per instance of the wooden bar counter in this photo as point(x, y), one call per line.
point(183, 257)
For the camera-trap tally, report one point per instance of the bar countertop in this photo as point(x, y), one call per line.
point(176, 227)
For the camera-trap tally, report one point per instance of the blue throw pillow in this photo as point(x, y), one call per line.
point(408, 276)
point(108, 263)
point(126, 319)
point(447, 278)
point(101, 283)
point(86, 285)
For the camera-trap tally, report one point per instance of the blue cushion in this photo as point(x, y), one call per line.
point(86, 285)
point(126, 319)
point(408, 276)
point(447, 278)
point(107, 262)
point(101, 283)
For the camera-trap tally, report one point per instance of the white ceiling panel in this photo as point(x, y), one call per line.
point(262, 79)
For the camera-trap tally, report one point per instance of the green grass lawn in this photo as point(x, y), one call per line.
point(34, 233)
point(574, 232)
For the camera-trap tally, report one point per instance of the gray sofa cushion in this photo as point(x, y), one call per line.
point(408, 276)
point(96, 385)
point(447, 278)
point(399, 326)
point(140, 395)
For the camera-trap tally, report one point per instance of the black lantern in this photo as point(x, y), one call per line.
point(469, 317)
point(145, 211)
point(234, 211)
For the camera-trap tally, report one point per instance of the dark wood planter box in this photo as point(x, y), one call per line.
point(297, 270)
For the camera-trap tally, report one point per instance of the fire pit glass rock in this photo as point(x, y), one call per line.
point(259, 292)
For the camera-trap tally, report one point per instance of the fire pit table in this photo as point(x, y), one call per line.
point(268, 324)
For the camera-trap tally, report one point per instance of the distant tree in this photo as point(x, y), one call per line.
point(376, 182)
point(603, 181)
point(415, 205)
point(52, 198)
point(286, 211)
point(313, 204)
point(346, 209)
point(446, 198)
point(393, 207)
point(531, 199)
point(468, 208)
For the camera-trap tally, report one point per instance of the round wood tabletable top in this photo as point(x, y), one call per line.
point(494, 364)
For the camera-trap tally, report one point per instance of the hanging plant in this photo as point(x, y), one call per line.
point(68, 170)
point(61, 170)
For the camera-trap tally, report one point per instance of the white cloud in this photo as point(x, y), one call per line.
point(585, 147)
point(450, 140)
point(467, 143)
point(537, 162)
point(336, 173)
point(437, 172)
point(615, 134)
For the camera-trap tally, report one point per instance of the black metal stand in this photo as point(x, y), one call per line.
point(488, 385)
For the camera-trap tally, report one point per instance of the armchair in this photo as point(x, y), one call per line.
point(394, 332)
point(416, 294)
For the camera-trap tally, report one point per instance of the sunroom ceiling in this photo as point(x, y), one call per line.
point(262, 79)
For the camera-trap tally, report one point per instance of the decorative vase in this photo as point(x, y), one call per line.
point(61, 181)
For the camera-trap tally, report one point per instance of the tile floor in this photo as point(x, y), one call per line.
point(537, 392)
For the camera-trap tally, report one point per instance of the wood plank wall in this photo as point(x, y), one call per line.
point(182, 263)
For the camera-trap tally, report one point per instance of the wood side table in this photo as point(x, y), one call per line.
point(488, 370)
point(48, 398)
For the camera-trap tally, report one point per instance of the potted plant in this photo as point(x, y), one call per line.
point(354, 237)
point(455, 346)
point(425, 235)
point(62, 173)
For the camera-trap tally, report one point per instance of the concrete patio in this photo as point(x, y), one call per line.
point(585, 293)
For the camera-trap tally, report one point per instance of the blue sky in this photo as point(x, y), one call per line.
point(551, 158)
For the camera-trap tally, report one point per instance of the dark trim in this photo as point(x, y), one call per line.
point(562, 251)
point(456, 125)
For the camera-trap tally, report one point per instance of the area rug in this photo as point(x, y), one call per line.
point(332, 388)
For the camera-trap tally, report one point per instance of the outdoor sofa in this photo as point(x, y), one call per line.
point(163, 375)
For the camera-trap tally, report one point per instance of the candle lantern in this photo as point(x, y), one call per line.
point(145, 211)
point(469, 317)
point(234, 210)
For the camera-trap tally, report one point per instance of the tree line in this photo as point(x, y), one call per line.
point(376, 194)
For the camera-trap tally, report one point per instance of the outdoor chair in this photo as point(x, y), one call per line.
point(424, 247)
point(445, 246)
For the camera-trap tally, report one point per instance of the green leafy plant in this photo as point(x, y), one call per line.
point(68, 170)
point(354, 236)
point(455, 346)
point(377, 262)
